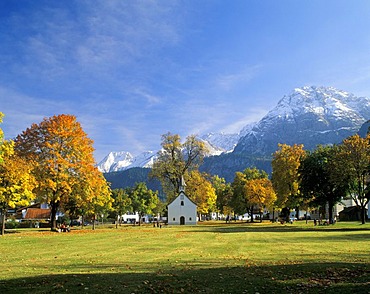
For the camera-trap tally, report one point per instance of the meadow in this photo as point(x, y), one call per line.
point(212, 257)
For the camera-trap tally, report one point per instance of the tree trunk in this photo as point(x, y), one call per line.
point(94, 217)
point(3, 218)
point(363, 212)
point(306, 217)
point(330, 208)
point(53, 218)
point(251, 210)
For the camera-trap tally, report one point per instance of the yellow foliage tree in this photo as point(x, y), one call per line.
point(201, 192)
point(285, 176)
point(260, 193)
point(352, 165)
point(16, 181)
point(62, 156)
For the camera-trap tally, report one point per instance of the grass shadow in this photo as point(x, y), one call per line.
point(296, 278)
point(250, 227)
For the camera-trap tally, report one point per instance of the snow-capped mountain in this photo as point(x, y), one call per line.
point(220, 142)
point(309, 116)
point(118, 161)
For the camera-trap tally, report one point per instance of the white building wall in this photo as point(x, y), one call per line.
point(182, 207)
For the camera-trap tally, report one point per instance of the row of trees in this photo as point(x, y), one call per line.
point(53, 162)
point(300, 179)
point(324, 176)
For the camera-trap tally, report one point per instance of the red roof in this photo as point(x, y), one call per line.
point(37, 213)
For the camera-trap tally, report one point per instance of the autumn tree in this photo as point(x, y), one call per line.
point(176, 158)
point(200, 190)
point(61, 155)
point(143, 200)
point(352, 166)
point(245, 186)
point(316, 184)
point(16, 181)
point(122, 203)
point(285, 176)
point(260, 194)
point(94, 194)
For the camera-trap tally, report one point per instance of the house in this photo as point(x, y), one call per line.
point(182, 211)
point(352, 213)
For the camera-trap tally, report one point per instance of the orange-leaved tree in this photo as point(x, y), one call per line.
point(260, 194)
point(61, 154)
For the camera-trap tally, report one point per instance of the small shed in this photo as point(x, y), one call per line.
point(352, 213)
point(182, 211)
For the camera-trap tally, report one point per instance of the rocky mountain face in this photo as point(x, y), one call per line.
point(308, 116)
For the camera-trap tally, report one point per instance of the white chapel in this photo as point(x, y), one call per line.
point(182, 211)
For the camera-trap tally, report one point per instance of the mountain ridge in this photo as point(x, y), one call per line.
point(309, 115)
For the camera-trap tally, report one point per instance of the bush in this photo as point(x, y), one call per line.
point(11, 224)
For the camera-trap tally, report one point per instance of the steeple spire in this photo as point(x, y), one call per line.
point(182, 184)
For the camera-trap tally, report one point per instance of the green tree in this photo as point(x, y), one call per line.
point(285, 176)
point(224, 195)
point(316, 184)
point(62, 158)
point(352, 166)
point(122, 203)
point(143, 200)
point(175, 159)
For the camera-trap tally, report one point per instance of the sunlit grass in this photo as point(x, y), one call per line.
point(210, 257)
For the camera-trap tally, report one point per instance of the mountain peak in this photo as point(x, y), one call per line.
point(309, 115)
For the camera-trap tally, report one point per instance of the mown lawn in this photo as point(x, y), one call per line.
point(207, 258)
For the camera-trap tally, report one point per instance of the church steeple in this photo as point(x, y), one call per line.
point(182, 184)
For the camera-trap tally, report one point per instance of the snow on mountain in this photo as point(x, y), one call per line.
point(118, 161)
point(220, 142)
point(309, 116)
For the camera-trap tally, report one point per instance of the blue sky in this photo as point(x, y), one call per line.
point(134, 70)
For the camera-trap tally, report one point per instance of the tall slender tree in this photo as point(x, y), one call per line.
point(352, 166)
point(285, 176)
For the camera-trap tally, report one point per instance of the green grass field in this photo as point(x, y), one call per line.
point(207, 258)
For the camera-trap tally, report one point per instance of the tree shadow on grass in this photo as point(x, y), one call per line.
point(232, 228)
point(297, 278)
